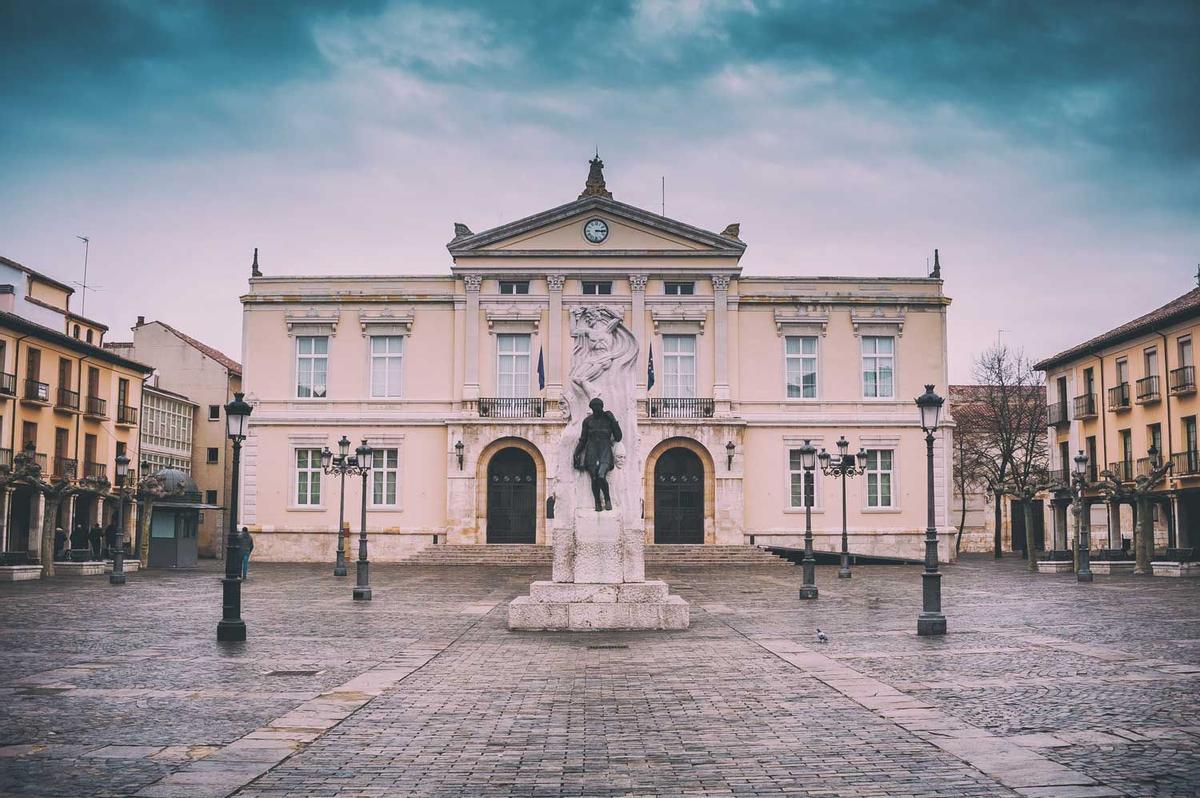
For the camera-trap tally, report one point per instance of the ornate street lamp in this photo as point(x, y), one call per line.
point(232, 627)
point(808, 462)
point(930, 621)
point(362, 587)
point(730, 448)
point(847, 465)
point(117, 577)
point(1083, 542)
point(458, 452)
point(342, 463)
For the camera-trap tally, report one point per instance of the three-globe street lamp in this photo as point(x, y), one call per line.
point(847, 465)
point(362, 587)
point(1083, 541)
point(117, 577)
point(231, 627)
point(342, 463)
point(930, 621)
point(808, 462)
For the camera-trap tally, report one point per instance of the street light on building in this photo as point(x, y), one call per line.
point(847, 465)
point(232, 627)
point(808, 464)
point(342, 463)
point(117, 577)
point(930, 621)
point(1083, 542)
point(362, 587)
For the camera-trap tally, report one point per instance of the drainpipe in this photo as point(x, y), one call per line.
point(12, 444)
point(1100, 399)
point(79, 417)
point(1166, 383)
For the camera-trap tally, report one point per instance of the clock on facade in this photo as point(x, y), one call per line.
point(596, 230)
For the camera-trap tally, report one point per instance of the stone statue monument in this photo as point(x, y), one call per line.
point(599, 577)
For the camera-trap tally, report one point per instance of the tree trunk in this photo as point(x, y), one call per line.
point(1030, 539)
point(998, 539)
point(1143, 537)
point(46, 542)
point(144, 516)
point(962, 522)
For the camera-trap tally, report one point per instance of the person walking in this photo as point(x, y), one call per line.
point(96, 536)
point(247, 545)
point(110, 538)
point(61, 549)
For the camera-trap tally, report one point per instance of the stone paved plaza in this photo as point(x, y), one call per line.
point(1042, 688)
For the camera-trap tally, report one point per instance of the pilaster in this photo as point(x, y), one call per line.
point(5, 503)
point(721, 392)
point(472, 282)
point(637, 287)
point(554, 329)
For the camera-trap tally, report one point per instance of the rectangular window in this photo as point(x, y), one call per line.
point(1094, 467)
point(213, 454)
point(1126, 445)
point(1185, 352)
point(594, 287)
point(679, 289)
point(214, 412)
point(64, 373)
point(679, 366)
point(1154, 434)
point(1151, 361)
point(28, 434)
point(879, 477)
point(387, 357)
point(385, 468)
point(801, 356)
point(308, 477)
point(512, 366)
point(1089, 381)
point(1122, 371)
point(210, 497)
point(122, 391)
point(33, 364)
point(514, 286)
point(312, 362)
point(878, 366)
point(803, 483)
point(1189, 433)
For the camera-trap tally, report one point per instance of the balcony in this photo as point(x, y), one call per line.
point(1122, 470)
point(65, 468)
point(36, 392)
point(1085, 406)
point(95, 471)
point(1059, 476)
point(96, 407)
point(681, 407)
point(1056, 414)
point(512, 407)
point(1181, 380)
point(1186, 464)
point(67, 400)
point(1118, 398)
point(6, 458)
point(8, 384)
point(127, 415)
point(1148, 390)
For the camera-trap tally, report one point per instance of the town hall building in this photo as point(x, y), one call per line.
point(455, 380)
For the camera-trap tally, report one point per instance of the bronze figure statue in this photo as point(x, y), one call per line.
point(594, 452)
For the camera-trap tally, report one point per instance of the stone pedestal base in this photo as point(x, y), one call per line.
point(129, 566)
point(1179, 569)
point(1055, 566)
point(1110, 567)
point(19, 573)
point(89, 568)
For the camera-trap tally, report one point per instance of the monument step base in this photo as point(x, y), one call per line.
point(89, 568)
point(1176, 569)
point(526, 614)
point(1110, 567)
point(650, 592)
point(20, 573)
point(129, 566)
point(1055, 566)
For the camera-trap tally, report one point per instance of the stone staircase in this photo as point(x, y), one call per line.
point(657, 555)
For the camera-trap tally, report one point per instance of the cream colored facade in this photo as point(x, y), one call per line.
point(416, 364)
point(1115, 396)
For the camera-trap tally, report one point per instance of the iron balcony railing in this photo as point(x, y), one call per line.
point(681, 407)
point(66, 467)
point(127, 414)
point(5, 458)
point(1147, 389)
point(1123, 469)
point(1182, 379)
point(8, 384)
point(1056, 414)
point(1093, 472)
point(1059, 476)
point(512, 407)
point(37, 391)
point(97, 406)
point(1085, 406)
point(1185, 463)
point(1118, 397)
point(67, 399)
point(95, 470)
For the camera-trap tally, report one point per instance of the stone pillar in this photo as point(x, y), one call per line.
point(1085, 523)
point(637, 286)
point(1060, 524)
point(99, 519)
point(1170, 507)
point(1182, 524)
point(554, 348)
point(69, 515)
point(1114, 525)
point(721, 326)
point(36, 513)
point(5, 504)
point(471, 378)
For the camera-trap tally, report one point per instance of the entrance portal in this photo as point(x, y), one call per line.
point(678, 497)
point(512, 497)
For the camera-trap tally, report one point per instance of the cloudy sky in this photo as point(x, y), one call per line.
point(1051, 150)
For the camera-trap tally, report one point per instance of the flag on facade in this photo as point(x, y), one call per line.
point(541, 371)
point(650, 369)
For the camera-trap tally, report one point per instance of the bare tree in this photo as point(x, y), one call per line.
point(970, 469)
point(1140, 492)
point(1010, 404)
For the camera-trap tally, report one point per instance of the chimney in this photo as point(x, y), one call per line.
point(141, 321)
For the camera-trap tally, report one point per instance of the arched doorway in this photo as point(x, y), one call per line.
point(511, 497)
point(679, 497)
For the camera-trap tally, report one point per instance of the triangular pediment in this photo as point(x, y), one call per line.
point(560, 231)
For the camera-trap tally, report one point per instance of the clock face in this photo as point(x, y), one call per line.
point(596, 230)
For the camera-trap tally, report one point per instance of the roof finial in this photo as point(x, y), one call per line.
point(254, 271)
point(595, 180)
point(937, 266)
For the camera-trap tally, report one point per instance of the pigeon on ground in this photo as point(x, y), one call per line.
point(822, 637)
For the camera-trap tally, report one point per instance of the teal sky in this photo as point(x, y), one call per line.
point(1051, 150)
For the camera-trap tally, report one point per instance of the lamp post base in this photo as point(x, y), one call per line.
point(844, 573)
point(116, 578)
point(362, 594)
point(339, 568)
point(231, 631)
point(1083, 576)
point(808, 591)
point(930, 624)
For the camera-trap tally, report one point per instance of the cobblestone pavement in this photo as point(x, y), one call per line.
point(1042, 688)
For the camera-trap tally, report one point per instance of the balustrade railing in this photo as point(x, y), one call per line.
point(1118, 397)
point(97, 406)
point(681, 407)
point(8, 384)
point(37, 391)
point(1182, 379)
point(1185, 463)
point(67, 399)
point(127, 415)
point(512, 407)
point(1085, 406)
point(1147, 389)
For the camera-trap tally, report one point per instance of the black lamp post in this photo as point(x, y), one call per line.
point(847, 465)
point(930, 621)
point(1083, 542)
point(232, 627)
point(342, 463)
point(458, 452)
point(808, 462)
point(117, 577)
point(362, 587)
point(730, 448)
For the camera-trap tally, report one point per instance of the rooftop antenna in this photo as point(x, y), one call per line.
point(999, 336)
point(84, 285)
point(664, 197)
point(1198, 275)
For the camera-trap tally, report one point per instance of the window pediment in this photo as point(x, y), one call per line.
point(394, 322)
point(314, 322)
point(877, 322)
point(513, 319)
point(679, 318)
point(801, 321)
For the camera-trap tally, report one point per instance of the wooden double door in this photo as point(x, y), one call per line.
point(511, 497)
point(679, 497)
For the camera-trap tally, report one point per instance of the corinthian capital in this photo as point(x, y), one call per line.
point(556, 281)
point(637, 282)
point(720, 282)
point(473, 282)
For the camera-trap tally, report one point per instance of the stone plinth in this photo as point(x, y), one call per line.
point(130, 566)
point(1055, 566)
point(1178, 569)
point(19, 573)
point(1110, 567)
point(599, 583)
point(89, 568)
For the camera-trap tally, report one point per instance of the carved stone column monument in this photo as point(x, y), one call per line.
point(599, 576)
